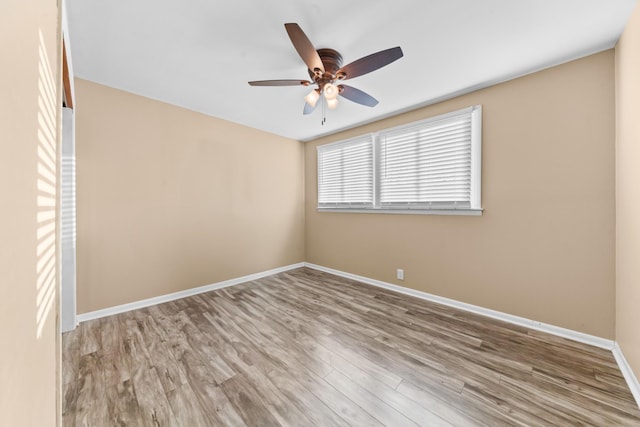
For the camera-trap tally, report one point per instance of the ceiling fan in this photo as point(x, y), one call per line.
point(325, 69)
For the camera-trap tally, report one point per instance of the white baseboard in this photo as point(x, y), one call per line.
point(521, 321)
point(595, 341)
point(181, 294)
point(532, 324)
point(627, 373)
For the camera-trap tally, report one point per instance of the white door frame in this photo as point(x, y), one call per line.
point(68, 223)
point(67, 211)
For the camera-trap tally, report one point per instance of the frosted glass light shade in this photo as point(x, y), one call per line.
point(332, 103)
point(331, 91)
point(312, 98)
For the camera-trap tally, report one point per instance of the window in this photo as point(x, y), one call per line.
point(345, 174)
point(430, 166)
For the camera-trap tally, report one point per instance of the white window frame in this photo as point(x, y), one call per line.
point(364, 140)
point(474, 207)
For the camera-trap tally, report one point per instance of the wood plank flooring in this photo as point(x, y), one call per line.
point(306, 348)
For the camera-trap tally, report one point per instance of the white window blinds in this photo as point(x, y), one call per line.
point(345, 173)
point(427, 164)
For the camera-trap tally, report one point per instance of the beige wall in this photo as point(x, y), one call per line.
point(169, 199)
point(628, 192)
point(544, 248)
point(28, 130)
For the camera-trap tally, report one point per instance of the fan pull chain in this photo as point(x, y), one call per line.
point(324, 117)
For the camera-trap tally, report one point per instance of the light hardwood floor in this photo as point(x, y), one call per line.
point(306, 348)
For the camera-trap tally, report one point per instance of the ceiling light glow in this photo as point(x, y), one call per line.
point(331, 91)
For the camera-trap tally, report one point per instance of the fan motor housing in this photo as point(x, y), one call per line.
point(332, 62)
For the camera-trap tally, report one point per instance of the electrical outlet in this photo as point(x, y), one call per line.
point(400, 274)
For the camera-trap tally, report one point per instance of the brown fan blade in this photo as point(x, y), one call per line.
point(280, 83)
point(304, 47)
point(370, 63)
point(357, 96)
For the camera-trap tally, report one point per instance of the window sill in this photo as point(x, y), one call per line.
point(468, 212)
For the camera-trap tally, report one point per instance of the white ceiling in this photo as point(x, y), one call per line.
point(200, 54)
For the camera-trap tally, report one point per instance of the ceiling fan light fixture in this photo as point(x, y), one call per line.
point(331, 91)
point(325, 69)
point(312, 97)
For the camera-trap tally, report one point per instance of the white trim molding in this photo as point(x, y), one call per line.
point(505, 317)
point(595, 341)
point(182, 294)
point(471, 212)
point(627, 373)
